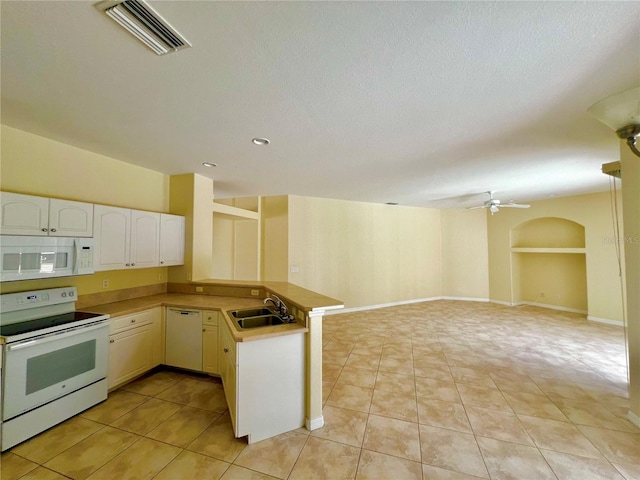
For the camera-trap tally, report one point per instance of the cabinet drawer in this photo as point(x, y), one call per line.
point(125, 322)
point(210, 317)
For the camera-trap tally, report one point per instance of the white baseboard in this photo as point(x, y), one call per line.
point(633, 418)
point(617, 323)
point(502, 302)
point(553, 307)
point(314, 424)
point(381, 305)
point(474, 299)
point(467, 299)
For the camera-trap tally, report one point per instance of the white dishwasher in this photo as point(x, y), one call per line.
point(184, 339)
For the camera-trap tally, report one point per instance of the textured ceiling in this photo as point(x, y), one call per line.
point(421, 103)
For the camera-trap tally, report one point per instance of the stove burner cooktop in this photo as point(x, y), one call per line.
point(46, 322)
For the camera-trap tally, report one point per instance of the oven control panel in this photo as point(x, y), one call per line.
point(12, 302)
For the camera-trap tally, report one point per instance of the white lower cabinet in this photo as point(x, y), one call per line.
point(264, 383)
point(210, 321)
point(135, 345)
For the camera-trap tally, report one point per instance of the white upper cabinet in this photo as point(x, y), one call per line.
point(32, 215)
point(70, 219)
point(126, 238)
point(171, 239)
point(145, 239)
point(112, 237)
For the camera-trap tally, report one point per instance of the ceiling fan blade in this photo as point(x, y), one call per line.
point(474, 208)
point(515, 205)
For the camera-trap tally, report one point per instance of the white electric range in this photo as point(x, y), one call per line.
point(54, 361)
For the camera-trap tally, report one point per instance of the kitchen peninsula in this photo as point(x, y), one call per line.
point(271, 358)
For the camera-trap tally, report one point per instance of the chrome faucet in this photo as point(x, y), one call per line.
point(281, 306)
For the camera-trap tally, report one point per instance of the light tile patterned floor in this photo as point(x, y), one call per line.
point(438, 390)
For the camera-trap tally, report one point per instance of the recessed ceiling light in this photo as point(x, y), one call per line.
point(209, 164)
point(391, 203)
point(261, 141)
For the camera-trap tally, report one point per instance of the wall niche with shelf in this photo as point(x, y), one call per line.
point(236, 239)
point(548, 264)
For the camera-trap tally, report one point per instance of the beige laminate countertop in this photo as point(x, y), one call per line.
point(200, 302)
point(305, 299)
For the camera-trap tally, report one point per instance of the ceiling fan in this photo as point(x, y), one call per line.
point(494, 205)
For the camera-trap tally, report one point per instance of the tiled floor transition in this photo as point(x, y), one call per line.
point(438, 390)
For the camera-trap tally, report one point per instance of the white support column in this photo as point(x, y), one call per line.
point(631, 220)
point(314, 418)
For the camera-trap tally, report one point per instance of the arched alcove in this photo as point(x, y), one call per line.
point(548, 264)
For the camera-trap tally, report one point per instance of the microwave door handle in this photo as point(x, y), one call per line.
point(76, 253)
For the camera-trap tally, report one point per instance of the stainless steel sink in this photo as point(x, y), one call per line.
point(255, 317)
point(252, 312)
point(259, 321)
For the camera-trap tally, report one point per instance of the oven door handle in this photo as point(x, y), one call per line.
point(56, 336)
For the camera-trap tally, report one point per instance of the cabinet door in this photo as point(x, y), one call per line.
point(171, 239)
point(227, 367)
point(111, 229)
point(24, 214)
point(145, 239)
point(210, 349)
point(70, 219)
point(231, 394)
point(157, 337)
point(129, 355)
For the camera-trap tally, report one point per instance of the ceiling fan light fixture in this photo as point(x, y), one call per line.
point(144, 23)
point(621, 113)
point(494, 205)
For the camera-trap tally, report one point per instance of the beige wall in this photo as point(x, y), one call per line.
point(245, 250)
point(35, 165)
point(552, 279)
point(38, 166)
point(192, 196)
point(592, 211)
point(465, 259)
point(275, 238)
point(363, 253)
point(222, 247)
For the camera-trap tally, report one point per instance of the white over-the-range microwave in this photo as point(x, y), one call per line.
point(26, 258)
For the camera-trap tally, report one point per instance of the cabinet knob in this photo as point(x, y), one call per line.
point(133, 320)
point(127, 265)
point(112, 341)
point(203, 330)
point(133, 264)
point(43, 229)
point(226, 350)
point(53, 230)
point(161, 263)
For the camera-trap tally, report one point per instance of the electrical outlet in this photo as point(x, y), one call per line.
point(255, 293)
point(105, 283)
point(199, 289)
point(295, 269)
point(160, 276)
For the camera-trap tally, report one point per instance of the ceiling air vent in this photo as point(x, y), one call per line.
point(145, 24)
